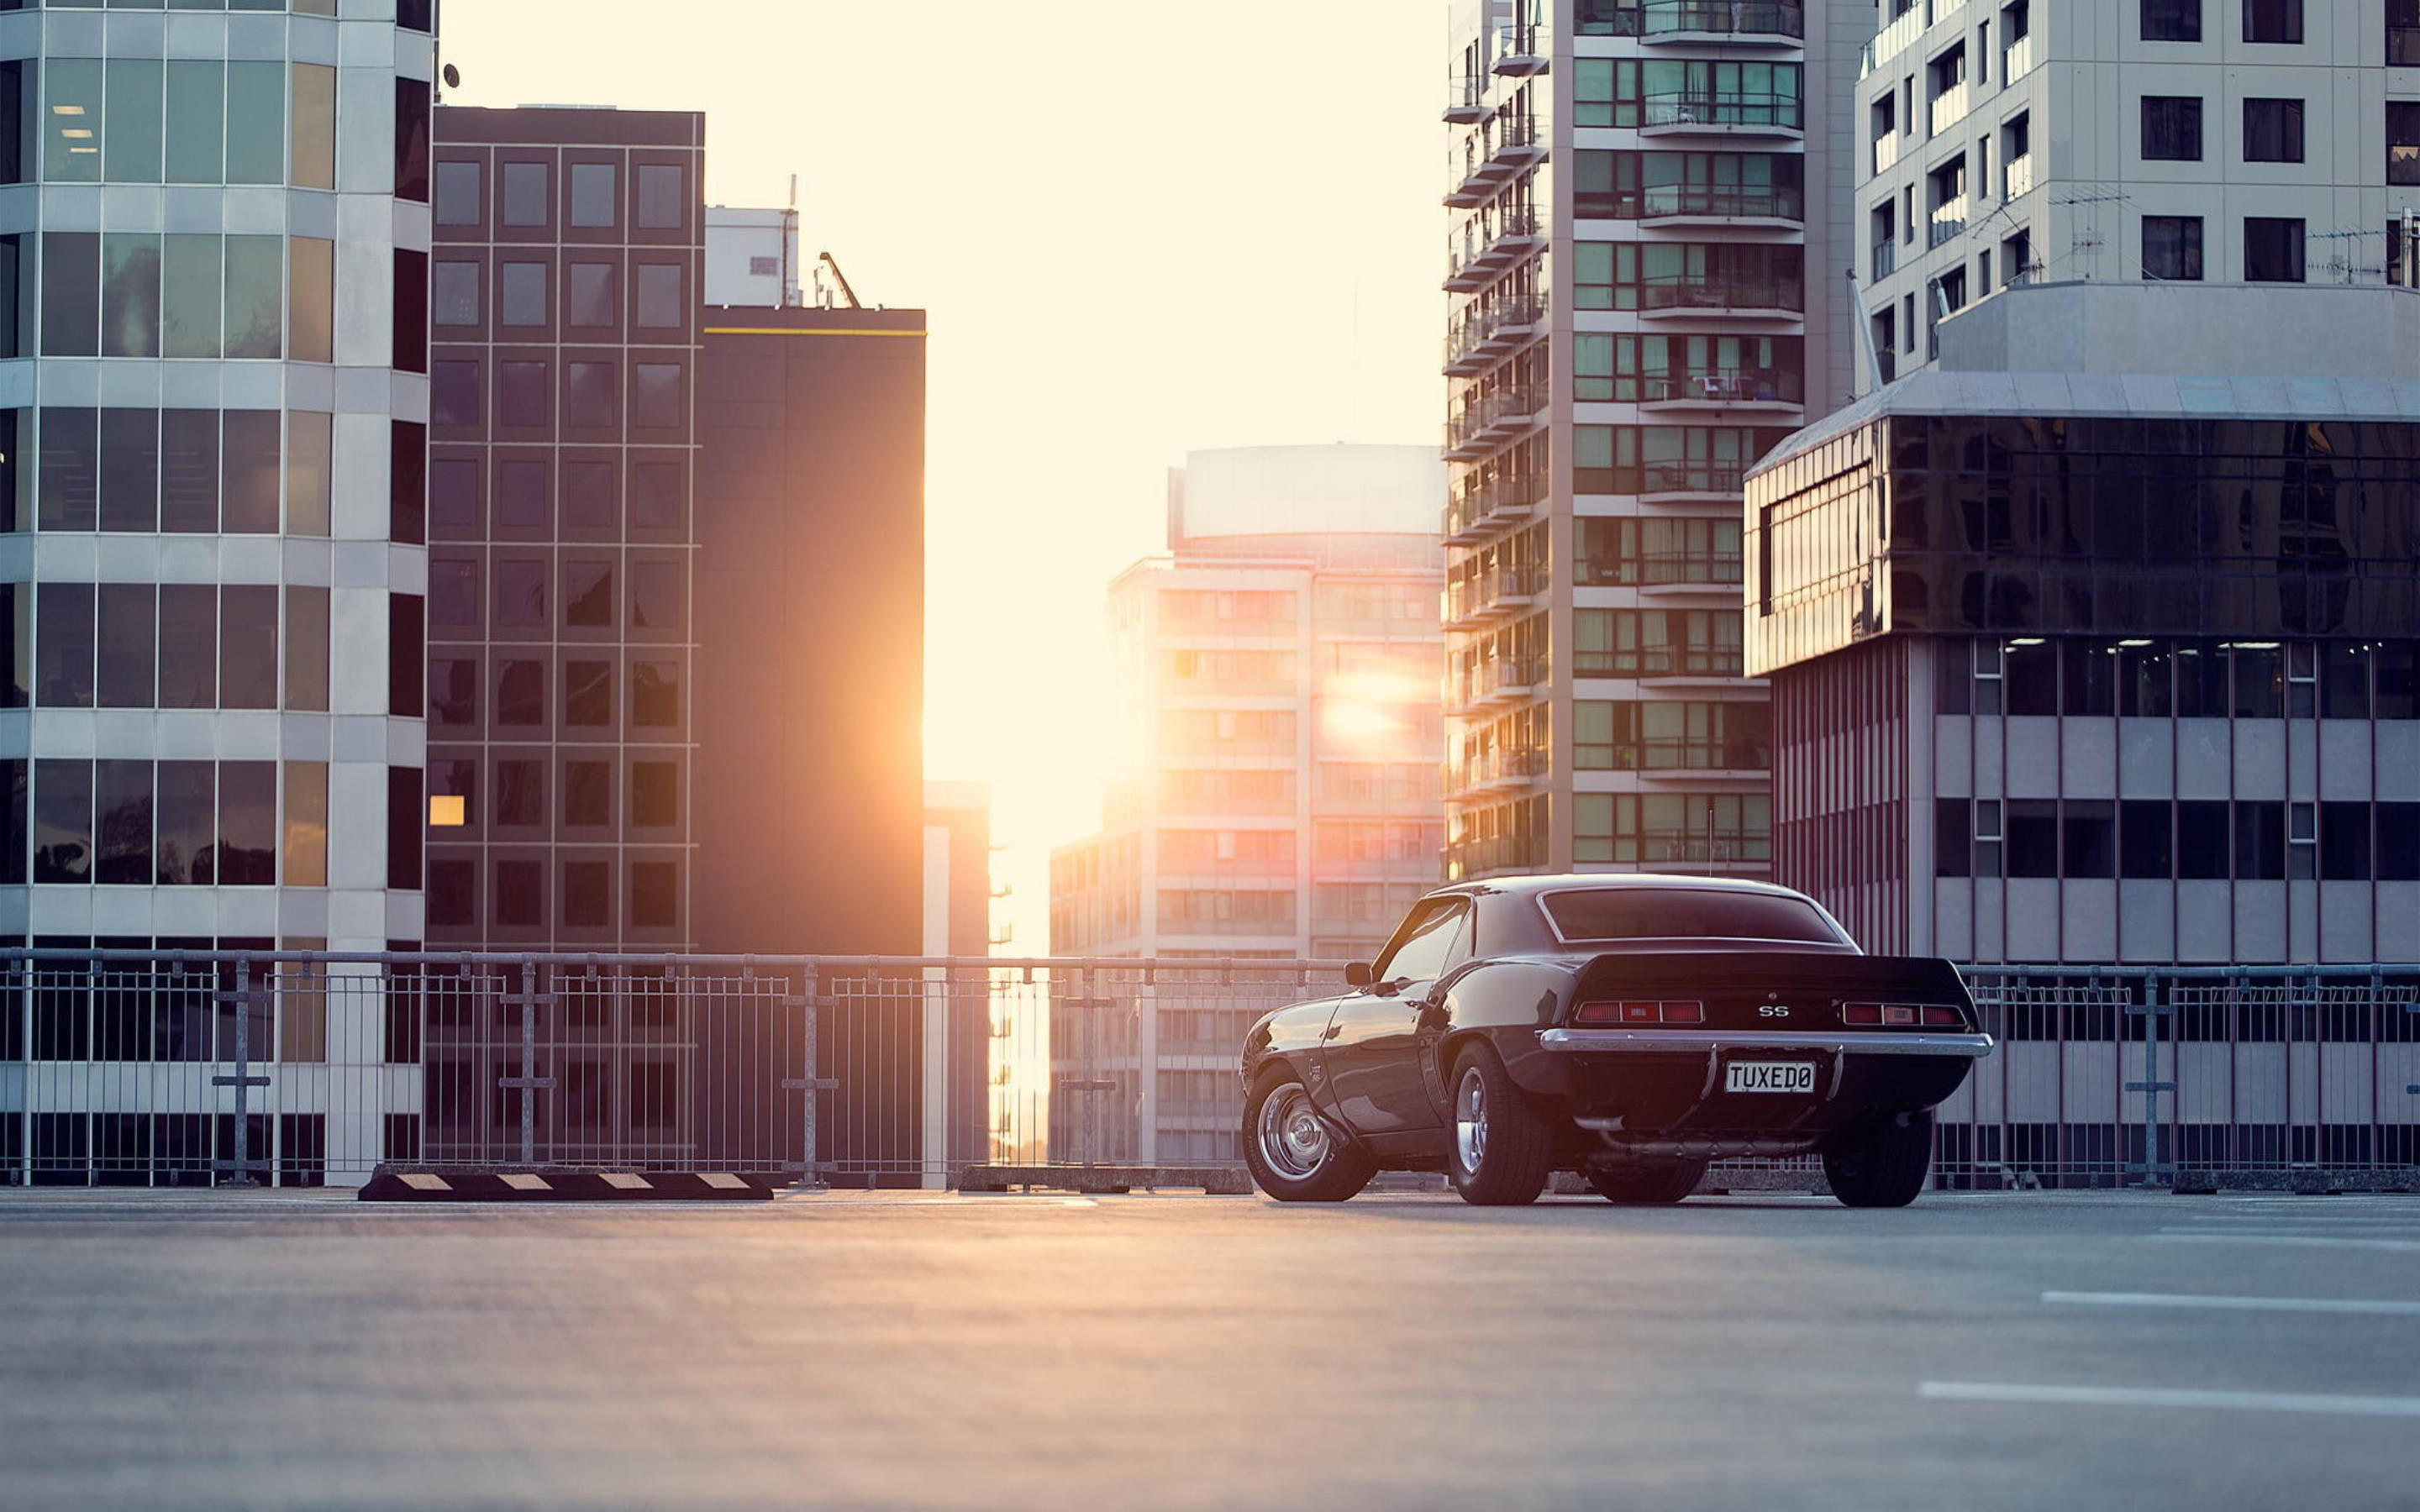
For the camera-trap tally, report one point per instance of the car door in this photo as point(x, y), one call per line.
point(1374, 1041)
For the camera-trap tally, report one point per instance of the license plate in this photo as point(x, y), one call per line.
point(1770, 1077)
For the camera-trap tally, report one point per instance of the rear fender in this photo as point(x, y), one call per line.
point(1504, 1003)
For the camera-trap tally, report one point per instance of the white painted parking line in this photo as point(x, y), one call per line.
point(2234, 1401)
point(2249, 1304)
point(2362, 1231)
point(2300, 1241)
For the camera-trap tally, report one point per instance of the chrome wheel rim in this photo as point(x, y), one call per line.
point(1470, 1120)
point(1292, 1138)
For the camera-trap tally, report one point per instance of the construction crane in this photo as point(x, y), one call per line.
point(824, 260)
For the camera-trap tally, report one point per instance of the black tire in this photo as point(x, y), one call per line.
point(1507, 1164)
point(1305, 1163)
point(1882, 1163)
point(1640, 1184)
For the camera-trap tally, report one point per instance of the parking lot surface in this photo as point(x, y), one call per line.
point(917, 1351)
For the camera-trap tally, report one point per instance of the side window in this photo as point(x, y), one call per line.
point(1434, 941)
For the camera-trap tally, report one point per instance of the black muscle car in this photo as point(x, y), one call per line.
point(1631, 1028)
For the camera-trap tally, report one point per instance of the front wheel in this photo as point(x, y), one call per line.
point(1884, 1164)
point(1640, 1184)
point(1292, 1156)
point(1501, 1147)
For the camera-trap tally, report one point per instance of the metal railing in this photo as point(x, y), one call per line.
point(1778, 202)
point(1751, 110)
point(1681, 291)
point(162, 1069)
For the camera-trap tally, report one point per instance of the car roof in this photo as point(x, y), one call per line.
point(1567, 881)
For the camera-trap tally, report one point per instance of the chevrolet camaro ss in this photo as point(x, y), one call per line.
point(1630, 1029)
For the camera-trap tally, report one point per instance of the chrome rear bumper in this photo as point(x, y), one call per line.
point(1698, 1042)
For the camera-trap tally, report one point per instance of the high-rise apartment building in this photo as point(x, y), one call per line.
point(1649, 214)
point(1278, 676)
point(2177, 141)
point(213, 433)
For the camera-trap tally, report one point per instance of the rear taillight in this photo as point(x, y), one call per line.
point(1639, 1011)
point(1900, 1015)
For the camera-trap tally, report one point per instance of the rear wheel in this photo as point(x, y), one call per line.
point(1882, 1163)
point(1643, 1183)
point(1501, 1147)
point(1293, 1155)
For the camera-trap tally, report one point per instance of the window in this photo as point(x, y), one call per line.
point(526, 193)
point(129, 646)
point(122, 801)
point(588, 693)
point(524, 394)
point(656, 398)
point(63, 821)
point(189, 647)
point(595, 196)
point(2402, 34)
point(2171, 21)
point(64, 637)
point(655, 890)
point(592, 396)
point(2273, 250)
point(660, 306)
point(250, 484)
point(407, 652)
point(2145, 847)
point(588, 496)
point(411, 107)
point(520, 593)
point(130, 470)
point(588, 594)
point(521, 693)
point(589, 298)
point(587, 894)
point(2201, 841)
point(454, 394)
point(307, 824)
point(520, 793)
point(655, 595)
point(662, 197)
point(588, 795)
point(2273, 21)
point(2032, 837)
point(310, 300)
point(2088, 838)
point(2273, 130)
point(520, 894)
point(255, 311)
point(2403, 131)
point(246, 851)
point(407, 484)
point(2259, 841)
point(187, 804)
point(247, 647)
point(461, 195)
point(654, 794)
point(314, 140)
point(1953, 837)
point(2172, 248)
point(657, 501)
point(522, 489)
point(454, 594)
point(521, 294)
point(655, 693)
point(2172, 127)
point(2396, 850)
point(453, 692)
point(71, 308)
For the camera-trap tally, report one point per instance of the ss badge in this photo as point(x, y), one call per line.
point(1772, 1011)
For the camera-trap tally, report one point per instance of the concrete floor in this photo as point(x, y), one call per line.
point(913, 1351)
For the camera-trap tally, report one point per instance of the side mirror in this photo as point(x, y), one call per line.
point(1360, 975)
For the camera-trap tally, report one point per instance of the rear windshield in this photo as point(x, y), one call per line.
point(1685, 912)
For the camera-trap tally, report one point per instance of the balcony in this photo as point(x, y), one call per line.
point(1886, 150)
point(1481, 858)
point(1507, 681)
point(1769, 390)
point(1496, 771)
point(1511, 145)
point(1730, 21)
point(1493, 419)
point(1524, 51)
point(2016, 59)
point(1488, 249)
point(1680, 757)
point(1886, 260)
point(1492, 331)
point(1949, 223)
point(1649, 663)
point(1465, 99)
point(1760, 297)
point(1742, 114)
point(1505, 592)
point(1693, 572)
point(1720, 203)
point(2019, 177)
point(1949, 107)
point(1678, 482)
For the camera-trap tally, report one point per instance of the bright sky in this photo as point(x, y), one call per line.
point(1141, 227)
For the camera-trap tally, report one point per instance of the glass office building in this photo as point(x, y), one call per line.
point(213, 233)
point(2077, 666)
